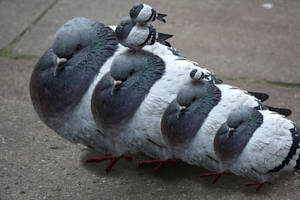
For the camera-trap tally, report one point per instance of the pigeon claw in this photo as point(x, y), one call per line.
point(157, 161)
point(113, 159)
point(259, 184)
point(217, 174)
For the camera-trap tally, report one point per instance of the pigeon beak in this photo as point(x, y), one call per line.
point(182, 108)
point(231, 130)
point(181, 111)
point(59, 66)
point(117, 83)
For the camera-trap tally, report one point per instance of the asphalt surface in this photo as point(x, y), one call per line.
point(232, 38)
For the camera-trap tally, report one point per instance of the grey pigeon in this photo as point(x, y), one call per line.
point(119, 96)
point(62, 81)
point(143, 13)
point(258, 144)
point(135, 36)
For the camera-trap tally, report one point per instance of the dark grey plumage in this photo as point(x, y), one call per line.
point(86, 45)
point(121, 91)
point(235, 133)
point(186, 114)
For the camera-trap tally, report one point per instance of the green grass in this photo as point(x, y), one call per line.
point(7, 52)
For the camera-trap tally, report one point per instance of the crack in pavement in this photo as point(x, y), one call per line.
point(43, 13)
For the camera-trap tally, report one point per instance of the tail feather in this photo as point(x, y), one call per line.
point(259, 95)
point(296, 131)
point(162, 37)
point(283, 111)
point(161, 17)
point(166, 43)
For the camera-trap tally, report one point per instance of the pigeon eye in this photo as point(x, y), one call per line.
point(194, 99)
point(131, 72)
point(78, 48)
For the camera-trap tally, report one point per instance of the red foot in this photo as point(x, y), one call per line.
point(159, 161)
point(259, 184)
point(113, 159)
point(217, 174)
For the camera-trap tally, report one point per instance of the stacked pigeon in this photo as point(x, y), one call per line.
point(64, 79)
point(92, 90)
point(134, 32)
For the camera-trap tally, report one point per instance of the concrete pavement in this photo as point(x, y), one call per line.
point(232, 38)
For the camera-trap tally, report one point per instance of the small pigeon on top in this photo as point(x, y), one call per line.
point(135, 36)
point(258, 144)
point(143, 13)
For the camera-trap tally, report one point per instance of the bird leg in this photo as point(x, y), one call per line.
point(259, 184)
point(113, 159)
point(157, 161)
point(132, 51)
point(217, 174)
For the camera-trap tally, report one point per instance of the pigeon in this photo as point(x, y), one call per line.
point(258, 144)
point(143, 13)
point(129, 101)
point(62, 81)
point(192, 119)
point(135, 36)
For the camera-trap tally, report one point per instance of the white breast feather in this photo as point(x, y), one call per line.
point(137, 36)
point(144, 14)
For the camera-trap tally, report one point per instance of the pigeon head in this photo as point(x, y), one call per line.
point(135, 10)
point(72, 38)
point(189, 95)
point(125, 68)
point(128, 69)
point(239, 116)
point(124, 28)
point(233, 136)
point(236, 118)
